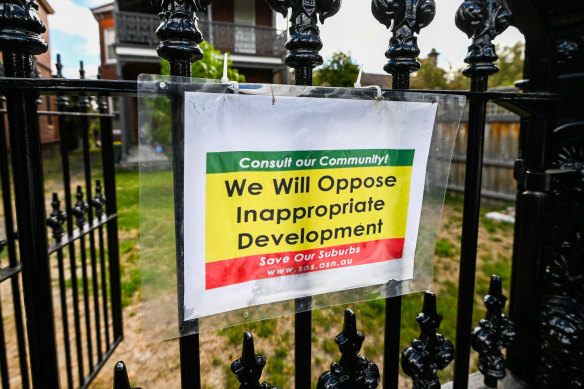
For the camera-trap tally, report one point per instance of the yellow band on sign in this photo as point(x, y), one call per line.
point(251, 213)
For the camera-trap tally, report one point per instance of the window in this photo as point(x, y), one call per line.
point(109, 40)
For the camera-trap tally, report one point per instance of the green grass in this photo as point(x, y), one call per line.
point(370, 314)
point(128, 189)
point(445, 248)
point(154, 218)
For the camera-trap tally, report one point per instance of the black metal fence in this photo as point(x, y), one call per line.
point(548, 245)
point(70, 280)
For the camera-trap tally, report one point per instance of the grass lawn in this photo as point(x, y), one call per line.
point(156, 364)
point(275, 337)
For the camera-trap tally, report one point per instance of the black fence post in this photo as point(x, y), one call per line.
point(85, 107)
point(80, 210)
point(111, 207)
point(55, 222)
point(179, 45)
point(20, 40)
point(64, 136)
point(482, 21)
point(11, 247)
point(408, 19)
point(304, 44)
point(5, 378)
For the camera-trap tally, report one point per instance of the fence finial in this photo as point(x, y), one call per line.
point(59, 67)
point(121, 380)
point(57, 218)
point(101, 99)
point(408, 18)
point(482, 20)
point(431, 351)
point(495, 332)
point(248, 368)
point(81, 70)
point(178, 33)
point(98, 201)
point(62, 101)
point(304, 42)
point(352, 371)
point(21, 27)
point(84, 100)
point(80, 208)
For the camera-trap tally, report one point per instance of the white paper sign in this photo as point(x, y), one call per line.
point(288, 197)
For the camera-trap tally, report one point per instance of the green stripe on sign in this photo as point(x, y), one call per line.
point(240, 161)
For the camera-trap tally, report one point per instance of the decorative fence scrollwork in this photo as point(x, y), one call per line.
point(353, 370)
point(408, 18)
point(482, 20)
point(431, 351)
point(248, 368)
point(494, 333)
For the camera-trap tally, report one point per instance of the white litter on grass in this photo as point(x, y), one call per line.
point(507, 216)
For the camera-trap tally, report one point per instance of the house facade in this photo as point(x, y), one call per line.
point(48, 125)
point(244, 28)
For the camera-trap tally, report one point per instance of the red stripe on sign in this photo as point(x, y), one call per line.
point(257, 267)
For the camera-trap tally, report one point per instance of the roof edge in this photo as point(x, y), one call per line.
point(103, 8)
point(45, 4)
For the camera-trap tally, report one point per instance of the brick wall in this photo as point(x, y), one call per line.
point(48, 125)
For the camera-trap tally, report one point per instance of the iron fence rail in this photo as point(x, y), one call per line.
point(189, 345)
point(82, 257)
point(513, 101)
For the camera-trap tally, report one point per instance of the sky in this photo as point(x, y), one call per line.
point(75, 35)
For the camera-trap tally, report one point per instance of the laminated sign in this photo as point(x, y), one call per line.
point(295, 196)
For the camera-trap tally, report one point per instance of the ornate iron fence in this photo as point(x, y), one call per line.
point(70, 281)
point(546, 288)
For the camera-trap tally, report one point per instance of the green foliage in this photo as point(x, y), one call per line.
point(490, 225)
point(158, 129)
point(430, 76)
point(338, 71)
point(211, 66)
point(445, 248)
point(510, 64)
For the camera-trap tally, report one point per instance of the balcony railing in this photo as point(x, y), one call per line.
point(245, 39)
point(138, 29)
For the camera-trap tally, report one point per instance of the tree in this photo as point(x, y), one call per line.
point(430, 75)
point(338, 71)
point(510, 64)
point(210, 66)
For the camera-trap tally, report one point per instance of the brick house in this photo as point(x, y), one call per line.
point(48, 125)
point(244, 28)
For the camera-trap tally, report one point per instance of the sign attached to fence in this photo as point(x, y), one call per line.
point(295, 196)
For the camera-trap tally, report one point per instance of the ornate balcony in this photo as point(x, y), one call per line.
point(138, 29)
